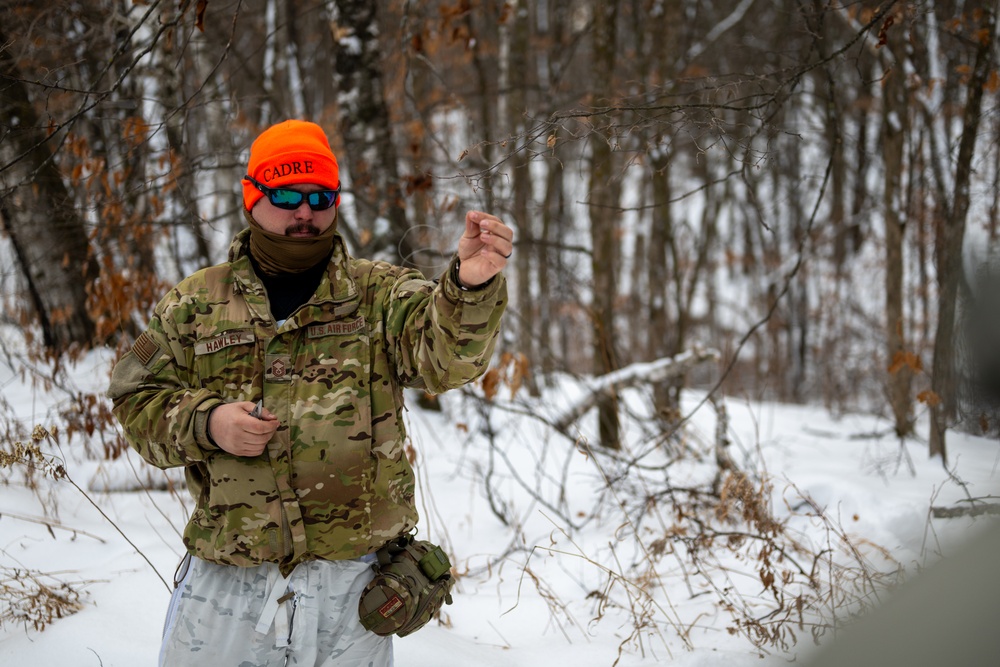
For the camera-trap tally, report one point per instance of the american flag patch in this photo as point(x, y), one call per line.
point(145, 349)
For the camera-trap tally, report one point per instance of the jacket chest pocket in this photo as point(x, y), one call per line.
point(335, 364)
point(332, 416)
point(226, 363)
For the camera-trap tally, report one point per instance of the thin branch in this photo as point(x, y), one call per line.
point(51, 523)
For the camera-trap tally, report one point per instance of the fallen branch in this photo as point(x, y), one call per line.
point(968, 510)
point(609, 384)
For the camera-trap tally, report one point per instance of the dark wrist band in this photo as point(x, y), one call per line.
point(464, 288)
point(458, 281)
point(208, 428)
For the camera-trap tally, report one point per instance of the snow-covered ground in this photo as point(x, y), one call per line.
point(534, 592)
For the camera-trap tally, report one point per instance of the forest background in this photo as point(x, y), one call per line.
point(785, 200)
point(791, 183)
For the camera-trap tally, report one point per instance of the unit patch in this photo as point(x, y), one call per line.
point(390, 607)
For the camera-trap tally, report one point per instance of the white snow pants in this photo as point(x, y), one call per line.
point(225, 616)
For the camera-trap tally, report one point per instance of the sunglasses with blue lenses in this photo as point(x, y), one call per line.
point(292, 199)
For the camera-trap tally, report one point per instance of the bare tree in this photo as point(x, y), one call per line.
point(950, 241)
point(38, 213)
point(520, 82)
point(364, 125)
point(605, 189)
point(895, 123)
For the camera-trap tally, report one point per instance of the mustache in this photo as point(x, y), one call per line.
point(302, 228)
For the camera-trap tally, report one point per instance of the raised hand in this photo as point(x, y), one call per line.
point(484, 248)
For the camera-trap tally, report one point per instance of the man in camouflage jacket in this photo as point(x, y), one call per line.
point(319, 475)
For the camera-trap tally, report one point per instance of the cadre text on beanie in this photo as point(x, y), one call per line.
point(290, 152)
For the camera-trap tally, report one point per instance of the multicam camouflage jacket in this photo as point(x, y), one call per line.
point(334, 482)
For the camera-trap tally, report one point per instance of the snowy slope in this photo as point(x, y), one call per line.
point(531, 593)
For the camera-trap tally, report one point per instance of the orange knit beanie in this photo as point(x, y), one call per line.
point(291, 152)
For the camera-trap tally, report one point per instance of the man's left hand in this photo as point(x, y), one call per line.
point(484, 248)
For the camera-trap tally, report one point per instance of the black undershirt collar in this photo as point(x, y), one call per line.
point(287, 291)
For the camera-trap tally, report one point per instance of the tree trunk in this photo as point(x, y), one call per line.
point(36, 210)
point(185, 190)
point(552, 290)
point(483, 47)
point(363, 121)
point(604, 201)
point(950, 251)
point(658, 280)
point(524, 257)
point(549, 258)
point(894, 128)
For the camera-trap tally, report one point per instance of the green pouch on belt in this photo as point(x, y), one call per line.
point(412, 581)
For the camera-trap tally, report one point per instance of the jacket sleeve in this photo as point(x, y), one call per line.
point(441, 336)
point(164, 417)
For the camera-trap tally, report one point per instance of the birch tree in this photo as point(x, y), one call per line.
point(364, 126)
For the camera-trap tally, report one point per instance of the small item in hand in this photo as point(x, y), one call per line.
point(256, 412)
point(412, 582)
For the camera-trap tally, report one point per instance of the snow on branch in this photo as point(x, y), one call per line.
point(647, 372)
